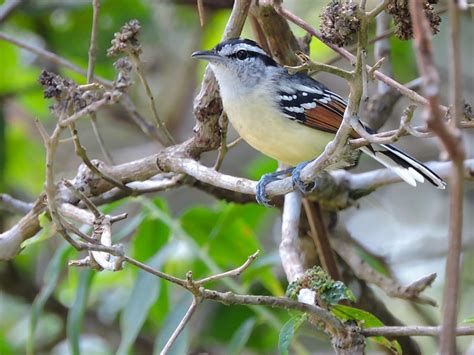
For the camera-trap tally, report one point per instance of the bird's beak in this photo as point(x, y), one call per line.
point(207, 55)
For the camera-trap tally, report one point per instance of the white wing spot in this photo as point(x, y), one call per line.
point(309, 105)
point(295, 109)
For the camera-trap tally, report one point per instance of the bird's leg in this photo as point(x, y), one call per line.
point(261, 194)
point(297, 182)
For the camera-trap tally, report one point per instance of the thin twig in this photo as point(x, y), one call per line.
point(81, 152)
point(93, 107)
point(141, 74)
point(344, 53)
point(457, 153)
point(344, 246)
point(314, 67)
point(414, 330)
point(90, 76)
point(320, 237)
point(51, 57)
point(11, 204)
point(84, 198)
point(201, 12)
point(155, 272)
point(234, 272)
point(150, 130)
point(93, 42)
point(230, 298)
point(7, 8)
point(181, 325)
point(377, 10)
point(223, 148)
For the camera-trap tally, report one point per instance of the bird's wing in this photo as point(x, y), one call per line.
point(313, 105)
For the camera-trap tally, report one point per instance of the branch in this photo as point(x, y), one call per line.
point(344, 53)
point(320, 237)
point(180, 327)
point(450, 137)
point(414, 330)
point(345, 249)
point(7, 8)
point(90, 75)
point(207, 106)
point(13, 205)
point(291, 254)
point(229, 298)
point(234, 272)
point(150, 130)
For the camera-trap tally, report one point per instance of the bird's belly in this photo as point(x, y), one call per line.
point(275, 135)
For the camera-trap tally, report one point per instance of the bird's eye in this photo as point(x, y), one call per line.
point(241, 55)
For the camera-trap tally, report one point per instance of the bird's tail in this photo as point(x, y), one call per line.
point(405, 166)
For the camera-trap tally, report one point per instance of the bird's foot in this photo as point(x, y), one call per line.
point(261, 194)
point(305, 188)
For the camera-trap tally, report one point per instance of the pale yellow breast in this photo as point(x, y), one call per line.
point(273, 134)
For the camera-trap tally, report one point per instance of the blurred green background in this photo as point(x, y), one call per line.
point(48, 308)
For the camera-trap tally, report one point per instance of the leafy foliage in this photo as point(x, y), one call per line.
point(288, 332)
point(328, 291)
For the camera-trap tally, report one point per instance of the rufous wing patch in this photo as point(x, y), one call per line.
point(327, 118)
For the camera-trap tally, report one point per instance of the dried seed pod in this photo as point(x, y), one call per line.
point(401, 16)
point(339, 22)
point(126, 40)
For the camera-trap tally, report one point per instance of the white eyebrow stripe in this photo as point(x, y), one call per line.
point(233, 48)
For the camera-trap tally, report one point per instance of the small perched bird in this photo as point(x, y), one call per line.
point(290, 118)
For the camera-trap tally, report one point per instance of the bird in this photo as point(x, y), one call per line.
point(290, 117)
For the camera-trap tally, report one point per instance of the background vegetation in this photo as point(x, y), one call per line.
point(48, 307)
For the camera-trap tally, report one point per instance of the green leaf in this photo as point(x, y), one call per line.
point(76, 313)
point(144, 294)
point(152, 234)
point(5, 347)
point(288, 331)
point(374, 263)
point(46, 231)
point(21, 170)
point(170, 324)
point(51, 277)
point(468, 320)
point(16, 76)
point(366, 320)
point(240, 338)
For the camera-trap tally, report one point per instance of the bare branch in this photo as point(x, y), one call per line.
point(344, 53)
point(93, 43)
point(13, 205)
point(345, 249)
point(7, 8)
point(230, 298)
point(320, 237)
point(150, 130)
point(414, 330)
point(234, 272)
point(290, 253)
point(181, 325)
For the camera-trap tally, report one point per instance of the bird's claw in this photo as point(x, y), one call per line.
point(305, 188)
point(260, 191)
